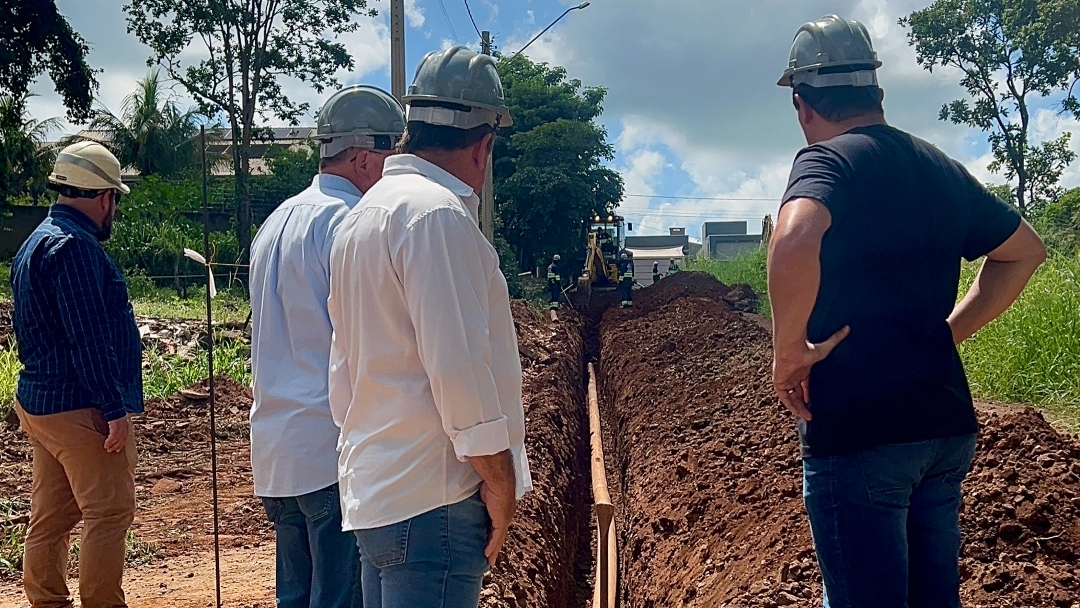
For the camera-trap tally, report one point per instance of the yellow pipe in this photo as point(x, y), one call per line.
point(607, 563)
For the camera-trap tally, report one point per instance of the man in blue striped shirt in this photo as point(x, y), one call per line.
point(82, 356)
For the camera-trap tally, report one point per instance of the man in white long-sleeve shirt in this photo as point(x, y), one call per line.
point(293, 435)
point(425, 377)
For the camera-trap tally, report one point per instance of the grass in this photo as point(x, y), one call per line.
point(12, 537)
point(748, 268)
point(1030, 355)
point(9, 377)
point(164, 374)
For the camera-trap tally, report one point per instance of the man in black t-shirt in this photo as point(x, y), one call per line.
point(864, 270)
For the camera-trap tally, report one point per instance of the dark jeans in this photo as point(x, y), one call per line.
point(434, 560)
point(555, 291)
point(885, 523)
point(317, 563)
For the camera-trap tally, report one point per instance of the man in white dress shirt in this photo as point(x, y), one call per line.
point(425, 377)
point(293, 435)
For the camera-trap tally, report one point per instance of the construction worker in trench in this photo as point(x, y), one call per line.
point(554, 281)
point(673, 267)
point(656, 271)
point(865, 329)
point(293, 434)
point(626, 280)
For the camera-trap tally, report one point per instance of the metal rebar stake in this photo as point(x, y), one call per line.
point(210, 366)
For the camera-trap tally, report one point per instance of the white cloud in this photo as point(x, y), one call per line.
point(414, 15)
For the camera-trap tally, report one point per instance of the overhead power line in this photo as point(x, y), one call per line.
point(468, 8)
point(699, 198)
point(449, 25)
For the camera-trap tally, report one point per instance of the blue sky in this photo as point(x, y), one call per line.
point(701, 130)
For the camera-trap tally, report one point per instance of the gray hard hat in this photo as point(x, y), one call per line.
point(359, 116)
point(832, 42)
point(462, 77)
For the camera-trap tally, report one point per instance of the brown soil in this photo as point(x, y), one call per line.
point(702, 462)
point(707, 463)
point(174, 444)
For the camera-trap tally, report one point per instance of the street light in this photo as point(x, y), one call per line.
point(565, 13)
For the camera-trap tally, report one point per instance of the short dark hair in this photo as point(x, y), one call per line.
point(340, 157)
point(837, 104)
point(76, 193)
point(420, 136)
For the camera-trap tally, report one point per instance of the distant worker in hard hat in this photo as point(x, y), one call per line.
point(604, 240)
point(428, 385)
point(554, 281)
point(673, 267)
point(81, 381)
point(294, 438)
point(626, 280)
point(656, 271)
point(864, 267)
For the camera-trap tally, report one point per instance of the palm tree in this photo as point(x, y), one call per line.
point(152, 133)
point(25, 159)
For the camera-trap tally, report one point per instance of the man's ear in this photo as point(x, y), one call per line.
point(806, 113)
point(482, 148)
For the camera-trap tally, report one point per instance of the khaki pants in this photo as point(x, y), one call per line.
point(76, 479)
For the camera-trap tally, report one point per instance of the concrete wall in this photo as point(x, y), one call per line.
point(721, 250)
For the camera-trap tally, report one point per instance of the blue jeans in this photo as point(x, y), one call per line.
point(885, 523)
point(317, 564)
point(434, 560)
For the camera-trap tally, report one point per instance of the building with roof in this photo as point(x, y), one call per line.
point(727, 240)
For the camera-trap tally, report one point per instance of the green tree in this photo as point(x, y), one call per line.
point(1009, 52)
point(250, 46)
point(1059, 222)
point(152, 133)
point(25, 160)
point(549, 176)
point(35, 38)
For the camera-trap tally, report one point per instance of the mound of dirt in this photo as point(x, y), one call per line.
point(694, 284)
point(707, 465)
point(547, 558)
point(1021, 515)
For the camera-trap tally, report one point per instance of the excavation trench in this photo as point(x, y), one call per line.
point(703, 470)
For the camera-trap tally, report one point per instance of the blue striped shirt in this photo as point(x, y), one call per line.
point(75, 327)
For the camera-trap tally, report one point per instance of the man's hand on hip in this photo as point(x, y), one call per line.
point(119, 431)
point(791, 371)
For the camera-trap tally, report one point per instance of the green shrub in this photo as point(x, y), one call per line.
point(749, 268)
point(1031, 354)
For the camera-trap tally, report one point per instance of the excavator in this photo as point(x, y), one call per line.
point(606, 242)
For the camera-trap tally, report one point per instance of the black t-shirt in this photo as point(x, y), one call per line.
point(903, 216)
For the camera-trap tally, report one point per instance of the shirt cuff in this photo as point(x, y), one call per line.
point(484, 439)
point(113, 411)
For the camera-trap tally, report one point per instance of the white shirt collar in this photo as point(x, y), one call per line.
point(401, 164)
point(335, 182)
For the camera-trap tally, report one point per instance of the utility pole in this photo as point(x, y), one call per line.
point(397, 48)
point(487, 195)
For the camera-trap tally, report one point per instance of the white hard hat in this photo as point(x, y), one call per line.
point(87, 165)
point(556, 257)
